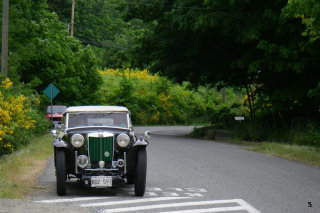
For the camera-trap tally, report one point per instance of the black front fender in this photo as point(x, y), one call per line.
point(59, 143)
point(132, 160)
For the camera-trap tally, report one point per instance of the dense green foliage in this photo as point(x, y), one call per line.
point(101, 24)
point(241, 43)
point(309, 12)
point(153, 99)
point(41, 52)
point(262, 46)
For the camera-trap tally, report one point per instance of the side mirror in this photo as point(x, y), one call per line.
point(54, 133)
point(147, 134)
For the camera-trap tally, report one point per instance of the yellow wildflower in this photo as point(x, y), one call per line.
point(6, 83)
point(138, 74)
point(155, 118)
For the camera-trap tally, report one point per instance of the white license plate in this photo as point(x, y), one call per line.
point(101, 181)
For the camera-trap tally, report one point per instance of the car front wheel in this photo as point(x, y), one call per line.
point(141, 173)
point(61, 172)
point(130, 179)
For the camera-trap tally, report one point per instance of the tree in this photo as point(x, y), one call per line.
point(309, 12)
point(240, 43)
point(102, 24)
point(42, 52)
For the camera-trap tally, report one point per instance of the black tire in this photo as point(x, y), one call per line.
point(141, 173)
point(130, 179)
point(61, 172)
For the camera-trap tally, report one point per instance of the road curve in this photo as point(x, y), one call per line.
point(191, 175)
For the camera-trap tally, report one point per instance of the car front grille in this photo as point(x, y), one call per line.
point(101, 149)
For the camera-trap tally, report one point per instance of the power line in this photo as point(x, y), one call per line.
point(199, 8)
point(100, 44)
point(89, 28)
point(217, 9)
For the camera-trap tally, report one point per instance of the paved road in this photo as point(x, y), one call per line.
point(190, 175)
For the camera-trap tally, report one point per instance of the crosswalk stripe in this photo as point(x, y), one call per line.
point(218, 209)
point(170, 205)
point(144, 200)
point(71, 200)
point(250, 208)
point(243, 206)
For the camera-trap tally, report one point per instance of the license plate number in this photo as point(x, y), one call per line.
point(101, 181)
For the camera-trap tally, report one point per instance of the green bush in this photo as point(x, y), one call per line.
point(153, 99)
point(305, 133)
point(299, 132)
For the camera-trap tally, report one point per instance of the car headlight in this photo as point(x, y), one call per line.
point(82, 161)
point(123, 140)
point(77, 140)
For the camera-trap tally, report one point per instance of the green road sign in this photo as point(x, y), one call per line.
point(51, 91)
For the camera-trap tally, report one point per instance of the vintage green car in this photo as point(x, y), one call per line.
point(97, 145)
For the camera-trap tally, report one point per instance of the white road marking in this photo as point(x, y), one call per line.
point(167, 192)
point(196, 190)
point(170, 195)
point(218, 209)
point(144, 200)
point(193, 194)
point(177, 189)
point(71, 199)
point(171, 205)
point(250, 208)
point(244, 206)
point(154, 189)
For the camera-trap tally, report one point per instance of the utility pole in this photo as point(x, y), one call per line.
point(223, 95)
point(72, 17)
point(4, 50)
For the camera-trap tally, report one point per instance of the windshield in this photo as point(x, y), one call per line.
point(113, 119)
point(56, 109)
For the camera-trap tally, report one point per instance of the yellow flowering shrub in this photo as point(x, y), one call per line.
point(6, 83)
point(14, 116)
point(155, 118)
point(138, 74)
point(142, 117)
point(134, 88)
point(155, 99)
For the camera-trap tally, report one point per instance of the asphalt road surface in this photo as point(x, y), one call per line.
point(189, 175)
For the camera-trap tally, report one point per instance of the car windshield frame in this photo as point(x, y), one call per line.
point(92, 119)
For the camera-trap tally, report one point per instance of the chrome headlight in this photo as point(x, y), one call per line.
point(82, 161)
point(123, 140)
point(77, 140)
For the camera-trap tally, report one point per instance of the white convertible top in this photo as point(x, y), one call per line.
point(96, 109)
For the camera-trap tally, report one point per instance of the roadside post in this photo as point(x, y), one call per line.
point(51, 91)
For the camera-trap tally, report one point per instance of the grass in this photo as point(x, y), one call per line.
point(301, 153)
point(20, 170)
point(304, 154)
